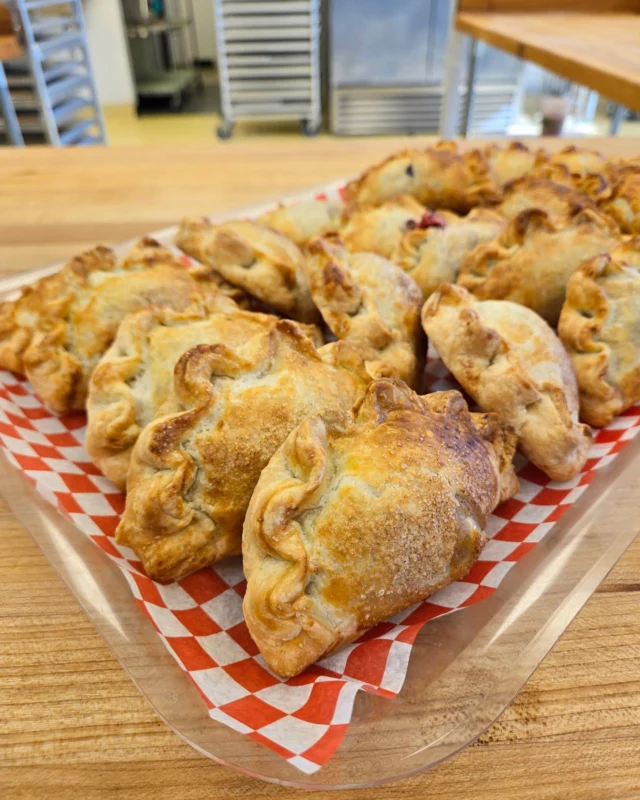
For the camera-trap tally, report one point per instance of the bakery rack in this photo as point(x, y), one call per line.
point(52, 86)
point(269, 61)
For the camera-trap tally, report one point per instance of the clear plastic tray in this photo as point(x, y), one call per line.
point(465, 667)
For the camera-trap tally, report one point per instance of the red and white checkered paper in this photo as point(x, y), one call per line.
point(200, 618)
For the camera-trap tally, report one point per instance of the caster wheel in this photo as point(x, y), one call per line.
point(310, 128)
point(225, 130)
point(176, 101)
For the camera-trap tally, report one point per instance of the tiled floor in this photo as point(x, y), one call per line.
point(125, 128)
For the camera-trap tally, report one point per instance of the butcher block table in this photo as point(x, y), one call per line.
point(73, 725)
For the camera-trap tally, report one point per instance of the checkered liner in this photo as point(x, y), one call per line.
point(200, 618)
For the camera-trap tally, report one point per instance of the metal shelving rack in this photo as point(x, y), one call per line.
point(155, 43)
point(52, 86)
point(269, 61)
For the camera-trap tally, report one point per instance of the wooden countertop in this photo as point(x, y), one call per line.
point(600, 50)
point(72, 725)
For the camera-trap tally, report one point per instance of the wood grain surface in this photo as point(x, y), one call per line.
point(598, 50)
point(600, 6)
point(72, 725)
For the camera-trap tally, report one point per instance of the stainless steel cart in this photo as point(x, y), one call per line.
point(269, 61)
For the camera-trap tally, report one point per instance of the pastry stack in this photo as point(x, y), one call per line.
point(268, 399)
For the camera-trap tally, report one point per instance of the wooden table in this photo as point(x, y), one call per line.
point(601, 51)
point(595, 43)
point(72, 725)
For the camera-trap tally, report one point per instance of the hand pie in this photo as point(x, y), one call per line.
point(439, 177)
point(58, 329)
point(511, 362)
point(355, 519)
point(511, 162)
point(558, 200)
point(530, 263)
point(368, 301)
point(379, 229)
point(193, 470)
point(304, 220)
point(579, 162)
point(623, 199)
point(135, 376)
point(600, 327)
point(434, 255)
point(254, 257)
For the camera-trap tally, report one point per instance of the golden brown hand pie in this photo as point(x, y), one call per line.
point(559, 201)
point(58, 329)
point(511, 362)
point(304, 220)
point(439, 177)
point(600, 327)
point(434, 255)
point(530, 263)
point(135, 376)
point(355, 519)
point(379, 229)
point(368, 301)
point(254, 257)
point(193, 469)
point(579, 162)
point(622, 202)
point(511, 162)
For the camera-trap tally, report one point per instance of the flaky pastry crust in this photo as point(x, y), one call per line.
point(510, 162)
point(355, 519)
point(439, 177)
point(622, 202)
point(579, 161)
point(135, 376)
point(511, 362)
point(254, 257)
point(193, 469)
point(434, 255)
point(379, 229)
point(58, 329)
point(370, 302)
point(304, 220)
point(531, 261)
point(559, 200)
point(600, 327)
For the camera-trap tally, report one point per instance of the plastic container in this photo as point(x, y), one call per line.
point(465, 667)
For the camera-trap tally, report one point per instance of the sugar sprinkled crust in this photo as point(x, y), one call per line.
point(622, 201)
point(254, 257)
point(560, 200)
point(531, 261)
point(435, 255)
point(379, 229)
point(57, 330)
point(370, 302)
point(438, 176)
point(511, 162)
point(356, 518)
point(511, 362)
point(193, 469)
point(600, 327)
point(135, 376)
point(304, 220)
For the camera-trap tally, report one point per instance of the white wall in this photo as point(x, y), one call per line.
point(108, 48)
point(205, 28)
